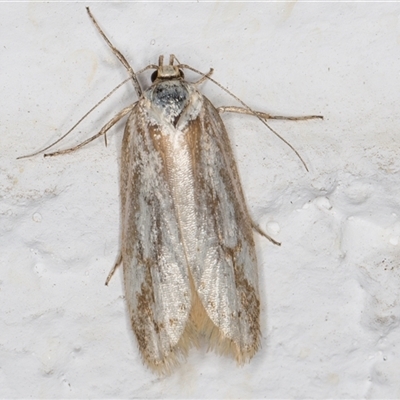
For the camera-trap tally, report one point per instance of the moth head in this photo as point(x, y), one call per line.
point(167, 72)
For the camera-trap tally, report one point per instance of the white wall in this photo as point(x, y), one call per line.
point(330, 294)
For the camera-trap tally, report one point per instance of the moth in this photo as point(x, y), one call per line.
point(187, 246)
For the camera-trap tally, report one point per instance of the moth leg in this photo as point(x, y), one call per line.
point(262, 233)
point(265, 116)
point(113, 269)
point(103, 131)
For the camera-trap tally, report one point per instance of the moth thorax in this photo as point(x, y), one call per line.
point(170, 96)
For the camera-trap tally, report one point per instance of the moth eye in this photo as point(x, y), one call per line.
point(154, 75)
point(181, 74)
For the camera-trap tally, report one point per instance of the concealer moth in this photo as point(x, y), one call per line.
point(187, 246)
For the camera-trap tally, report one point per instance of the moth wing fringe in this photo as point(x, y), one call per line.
point(200, 328)
point(216, 340)
point(177, 354)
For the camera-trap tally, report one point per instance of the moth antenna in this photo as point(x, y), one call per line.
point(119, 55)
point(207, 76)
point(80, 120)
point(131, 72)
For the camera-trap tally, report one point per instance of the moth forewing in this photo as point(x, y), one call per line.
point(155, 274)
point(230, 295)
